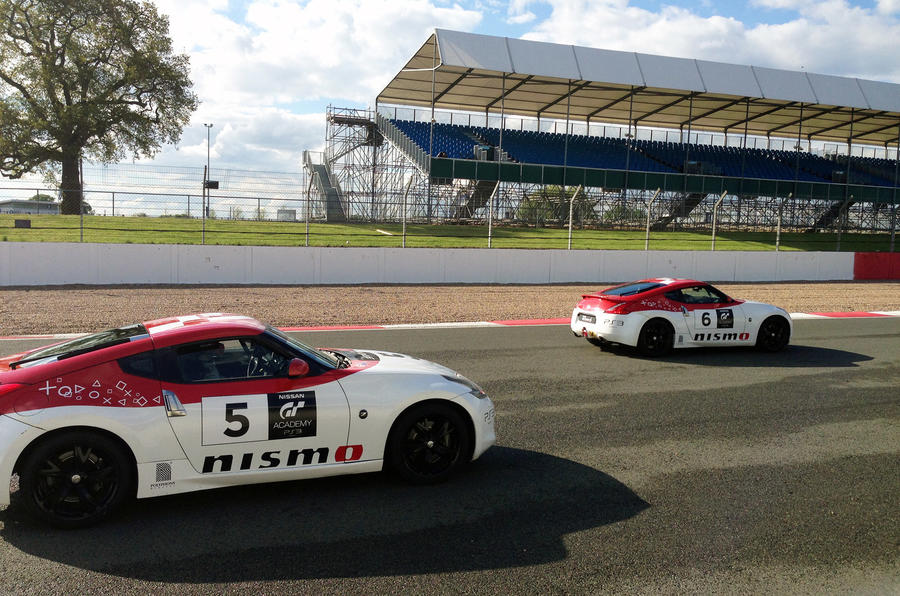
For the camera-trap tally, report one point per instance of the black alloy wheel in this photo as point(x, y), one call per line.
point(656, 338)
point(428, 443)
point(774, 334)
point(75, 479)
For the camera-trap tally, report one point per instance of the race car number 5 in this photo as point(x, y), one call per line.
point(235, 419)
point(243, 421)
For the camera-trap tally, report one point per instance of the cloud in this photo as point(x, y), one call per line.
point(826, 36)
point(888, 7)
point(253, 63)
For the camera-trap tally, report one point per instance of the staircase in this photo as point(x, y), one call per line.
point(827, 219)
point(478, 196)
point(327, 187)
point(680, 209)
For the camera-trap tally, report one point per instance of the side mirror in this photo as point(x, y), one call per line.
point(298, 368)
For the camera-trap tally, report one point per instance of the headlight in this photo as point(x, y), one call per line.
point(473, 387)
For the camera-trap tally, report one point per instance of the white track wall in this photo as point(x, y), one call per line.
point(38, 264)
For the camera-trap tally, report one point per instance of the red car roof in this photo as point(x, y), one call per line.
point(172, 330)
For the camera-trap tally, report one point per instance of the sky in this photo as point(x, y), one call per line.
point(265, 70)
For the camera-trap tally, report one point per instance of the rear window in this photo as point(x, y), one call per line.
point(632, 289)
point(83, 345)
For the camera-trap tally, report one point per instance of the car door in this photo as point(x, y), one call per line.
point(234, 408)
point(711, 317)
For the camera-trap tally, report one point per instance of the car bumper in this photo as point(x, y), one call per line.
point(482, 411)
point(621, 329)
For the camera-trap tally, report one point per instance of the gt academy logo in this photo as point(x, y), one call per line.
point(292, 415)
point(724, 318)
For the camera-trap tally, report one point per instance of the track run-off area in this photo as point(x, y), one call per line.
point(705, 471)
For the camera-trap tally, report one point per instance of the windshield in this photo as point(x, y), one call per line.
point(82, 345)
point(324, 357)
point(631, 289)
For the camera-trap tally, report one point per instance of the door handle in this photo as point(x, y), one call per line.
point(174, 407)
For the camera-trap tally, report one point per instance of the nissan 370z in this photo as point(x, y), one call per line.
point(210, 400)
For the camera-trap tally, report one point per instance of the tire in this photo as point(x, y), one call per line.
point(429, 443)
point(656, 338)
point(75, 479)
point(774, 334)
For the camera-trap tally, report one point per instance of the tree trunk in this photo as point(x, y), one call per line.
point(71, 184)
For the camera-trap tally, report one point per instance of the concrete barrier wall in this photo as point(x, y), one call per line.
point(32, 263)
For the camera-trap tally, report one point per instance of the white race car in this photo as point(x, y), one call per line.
point(202, 401)
point(656, 315)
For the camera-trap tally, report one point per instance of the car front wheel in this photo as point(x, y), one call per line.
point(429, 443)
point(75, 479)
point(774, 334)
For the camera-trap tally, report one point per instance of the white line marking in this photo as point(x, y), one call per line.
point(383, 232)
point(460, 325)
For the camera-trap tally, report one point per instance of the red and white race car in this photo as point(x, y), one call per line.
point(656, 315)
point(203, 401)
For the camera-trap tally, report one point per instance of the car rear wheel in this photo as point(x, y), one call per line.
point(656, 338)
point(75, 479)
point(429, 443)
point(774, 334)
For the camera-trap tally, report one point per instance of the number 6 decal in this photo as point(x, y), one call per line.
point(705, 319)
point(243, 421)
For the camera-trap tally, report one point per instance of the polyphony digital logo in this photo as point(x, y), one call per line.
point(292, 415)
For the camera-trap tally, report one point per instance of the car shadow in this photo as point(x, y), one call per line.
point(510, 508)
point(793, 356)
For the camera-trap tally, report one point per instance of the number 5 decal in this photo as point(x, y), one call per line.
point(235, 419)
point(243, 421)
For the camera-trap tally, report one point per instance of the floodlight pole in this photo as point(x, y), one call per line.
point(405, 195)
point(894, 202)
point(491, 213)
point(715, 217)
point(778, 227)
point(308, 189)
point(206, 173)
point(571, 210)
point(649, 211)
point(203, 206)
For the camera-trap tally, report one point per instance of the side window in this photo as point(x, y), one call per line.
point(139, 365)
point(226, 360)
point(702, 295)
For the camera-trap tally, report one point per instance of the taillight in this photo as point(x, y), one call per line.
point(620, 308)
point(9, 388)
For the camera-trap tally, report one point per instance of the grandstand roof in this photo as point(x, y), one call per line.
point(466, 71)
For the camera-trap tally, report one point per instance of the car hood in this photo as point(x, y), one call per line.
point(392, 362)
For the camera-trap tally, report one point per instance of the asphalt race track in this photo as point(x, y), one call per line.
point(704, 471)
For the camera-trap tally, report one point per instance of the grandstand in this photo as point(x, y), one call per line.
point(474, 120)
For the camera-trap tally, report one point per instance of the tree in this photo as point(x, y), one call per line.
point(87, 78)
point(42, 197)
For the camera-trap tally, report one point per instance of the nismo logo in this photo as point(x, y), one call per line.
point(721, 336)
point(279, 459)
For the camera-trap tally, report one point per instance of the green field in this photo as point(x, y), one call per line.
point(172, 230)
